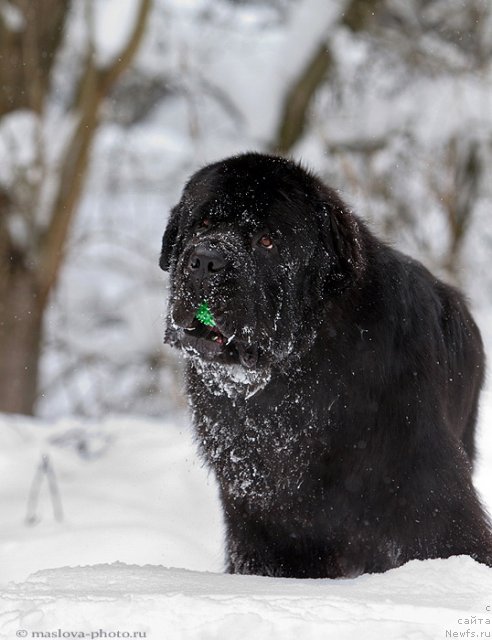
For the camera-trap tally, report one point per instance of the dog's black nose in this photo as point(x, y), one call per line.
point(205, 261)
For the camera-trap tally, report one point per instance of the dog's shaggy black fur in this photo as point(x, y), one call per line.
point(336, 398)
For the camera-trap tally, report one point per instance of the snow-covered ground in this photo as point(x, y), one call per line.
point(132, 490)
point(139, 549)
point(418, 601)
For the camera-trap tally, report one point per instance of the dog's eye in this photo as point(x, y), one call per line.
point(204, 223)
point(266, 242)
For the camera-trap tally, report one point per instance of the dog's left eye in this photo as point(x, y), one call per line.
point(265, 241)
point(204, 223)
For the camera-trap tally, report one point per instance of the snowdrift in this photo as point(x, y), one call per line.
point(420, 600)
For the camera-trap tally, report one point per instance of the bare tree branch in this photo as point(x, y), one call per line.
point(298, 99)
point(300, 95)
point(94, 86)
point(110, 75)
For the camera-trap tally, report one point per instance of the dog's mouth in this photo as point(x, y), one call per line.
point(210, 343)
point(202, 331)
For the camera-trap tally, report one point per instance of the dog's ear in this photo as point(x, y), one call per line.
point(170, 240)
point(341, 236)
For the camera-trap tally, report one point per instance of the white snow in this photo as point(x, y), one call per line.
point(12, 16)
point(113, 24)
point(18, 132)
point(132, 490)
point(418, 601)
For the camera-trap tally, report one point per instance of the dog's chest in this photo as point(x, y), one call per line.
point(263, 459)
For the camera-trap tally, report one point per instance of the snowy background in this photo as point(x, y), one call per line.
point(401, 124)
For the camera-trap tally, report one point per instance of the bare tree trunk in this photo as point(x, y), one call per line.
point(460, 199)
point(28, 274)
point(27, 54)
point(20, 335)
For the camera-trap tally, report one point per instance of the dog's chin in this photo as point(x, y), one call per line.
point(209, 348)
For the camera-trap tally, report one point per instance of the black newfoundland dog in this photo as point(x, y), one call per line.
point(333, 381)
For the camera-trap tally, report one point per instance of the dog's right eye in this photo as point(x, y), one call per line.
point(204, 224)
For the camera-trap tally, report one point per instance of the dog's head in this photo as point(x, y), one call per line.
point(264, 244)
